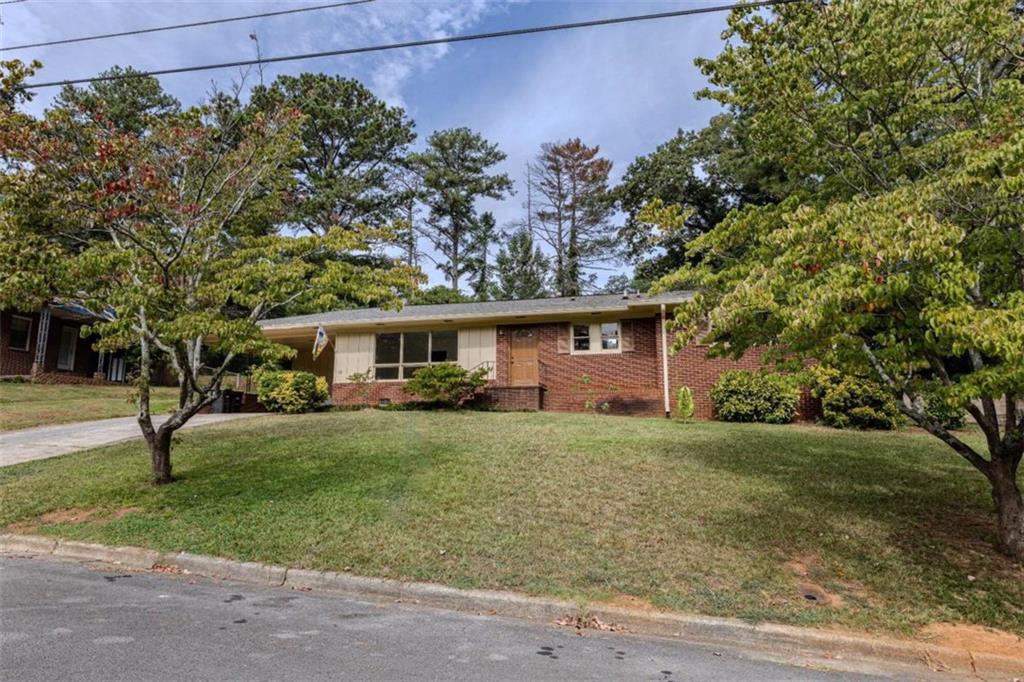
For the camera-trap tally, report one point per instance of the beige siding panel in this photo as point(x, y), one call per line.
point(323, 366)
point(353, 354)
point(477, 346)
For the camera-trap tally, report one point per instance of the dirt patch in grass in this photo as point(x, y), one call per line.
point(73, 515)
point(975, 638)
point(628, 601)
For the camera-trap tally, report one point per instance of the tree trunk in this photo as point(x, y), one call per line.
point(160, 455)
point(1009, 508)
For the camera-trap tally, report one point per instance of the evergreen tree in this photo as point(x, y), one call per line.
point(455, 172)
point(572, 214)
point(522, 269)
point(478, 262)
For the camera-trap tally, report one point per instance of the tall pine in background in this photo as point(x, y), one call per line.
point(455, 170)
point(572, 211)
point(522, 270)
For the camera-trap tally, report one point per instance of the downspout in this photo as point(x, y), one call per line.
point(664, 362)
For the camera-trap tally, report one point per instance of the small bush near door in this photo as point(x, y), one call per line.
point(743, 396)
point(290, 392)
point(446, 384)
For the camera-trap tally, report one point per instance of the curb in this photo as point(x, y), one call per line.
point(769, 637)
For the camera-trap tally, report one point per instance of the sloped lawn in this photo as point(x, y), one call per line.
point(24, 405)
point(794, 524)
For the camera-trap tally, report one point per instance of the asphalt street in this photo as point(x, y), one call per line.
point(68, 621)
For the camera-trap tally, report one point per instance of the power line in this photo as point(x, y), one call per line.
point(11, 2)
point(173, 27)
point(416, 43)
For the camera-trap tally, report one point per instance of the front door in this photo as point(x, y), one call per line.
point(523, 369)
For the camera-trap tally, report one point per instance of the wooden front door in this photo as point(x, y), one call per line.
point(523, 369)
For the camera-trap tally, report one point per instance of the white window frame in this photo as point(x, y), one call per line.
point(70, 366)
point(594, 329)
point(28, 337)
point(401, 365)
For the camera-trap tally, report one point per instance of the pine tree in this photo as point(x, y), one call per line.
point(478, 257)
point(572, 216)
point(455, 173)
point(522, 269)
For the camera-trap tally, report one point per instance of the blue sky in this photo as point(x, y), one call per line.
point(626, 88)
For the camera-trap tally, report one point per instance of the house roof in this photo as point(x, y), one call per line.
point(482, 311)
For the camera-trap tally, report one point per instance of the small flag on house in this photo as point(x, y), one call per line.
point(320, 342)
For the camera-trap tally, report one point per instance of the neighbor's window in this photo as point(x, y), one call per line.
point(399, 355)
point(600, 337)
point(21, 330)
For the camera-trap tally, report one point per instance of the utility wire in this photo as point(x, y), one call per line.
point(174, 27)
point(417, 43)
point(11, 2)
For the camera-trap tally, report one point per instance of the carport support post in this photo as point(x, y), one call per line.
point(664, 362)
point(42, 335)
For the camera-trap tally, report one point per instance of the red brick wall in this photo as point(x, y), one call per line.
point(16, 362)
point(692, 368)
point(353, 394)
point(629, 382)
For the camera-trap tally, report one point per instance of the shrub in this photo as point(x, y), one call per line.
point(288, 391)
point(684, 403)
point(942, 409)
point(446, 383)
point(851, 401)
point(742, 396)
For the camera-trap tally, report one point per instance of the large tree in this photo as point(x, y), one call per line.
point(572, 210)
point(129, 101)
point(182, 270)
point(456, 171)
point(900, 251)
point(479, 266)
point(521, 267)
point(352, 144)
point(710, 171)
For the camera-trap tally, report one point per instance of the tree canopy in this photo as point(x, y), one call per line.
point(180, 261)
point(898, 249)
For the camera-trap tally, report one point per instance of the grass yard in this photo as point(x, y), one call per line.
point(885, 530)
point(24, 405)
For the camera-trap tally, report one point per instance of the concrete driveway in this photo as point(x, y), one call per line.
point(43, 442)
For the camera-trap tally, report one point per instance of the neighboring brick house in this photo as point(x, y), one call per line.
point(47, 347)
point(566, 354)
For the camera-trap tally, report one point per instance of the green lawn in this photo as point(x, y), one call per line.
point(23, 405)
point(721, 519)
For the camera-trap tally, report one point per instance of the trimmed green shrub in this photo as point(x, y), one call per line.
point(743, 396)
point(851, 401)
point(289, 391)
point(684, 403)
point(446, 384)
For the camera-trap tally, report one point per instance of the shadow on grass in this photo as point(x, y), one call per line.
point(907, 517)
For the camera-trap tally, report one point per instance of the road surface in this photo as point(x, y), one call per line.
point(64, 620)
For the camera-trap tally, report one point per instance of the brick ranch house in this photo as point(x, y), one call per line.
point(563, 354)
point(46, 346)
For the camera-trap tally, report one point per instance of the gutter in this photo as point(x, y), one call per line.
point(664, 363)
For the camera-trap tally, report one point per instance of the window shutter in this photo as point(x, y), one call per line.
point(565, 338)
point(626, 335)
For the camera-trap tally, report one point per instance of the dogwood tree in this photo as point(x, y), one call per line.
point(179, 257)
point(901, 251)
